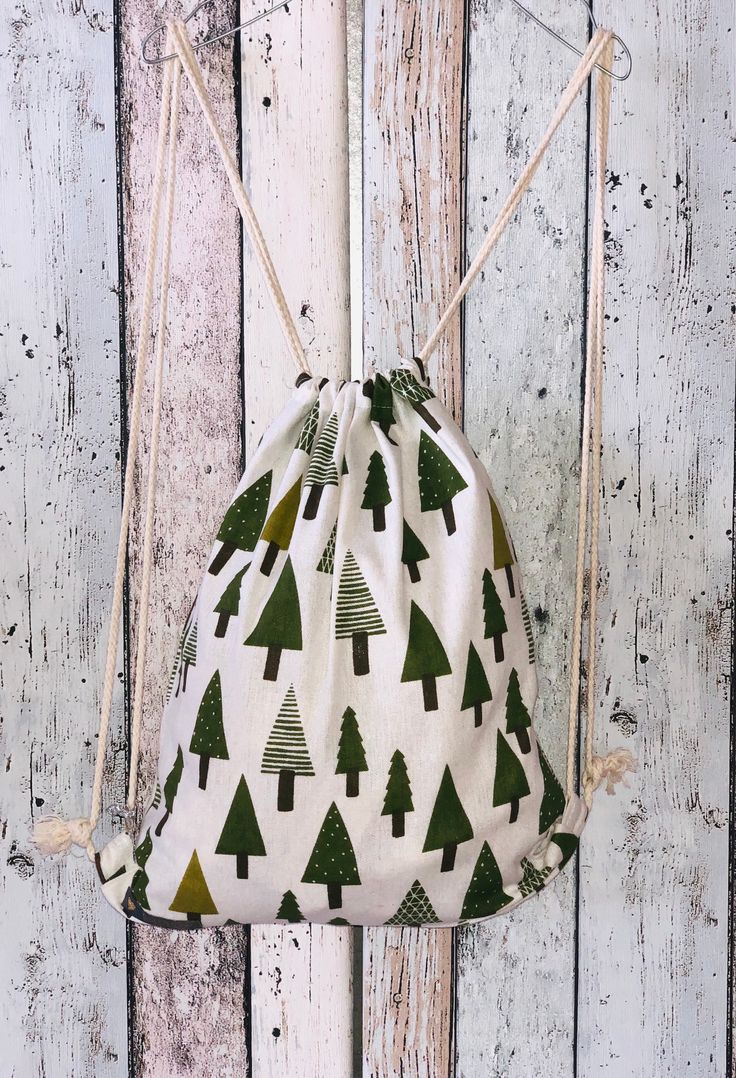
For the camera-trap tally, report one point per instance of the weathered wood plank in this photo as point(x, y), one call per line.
point(412, 198)
point(294, 121)
point(180, 977)
point(412, 183)
point(654, 873)
point(62, 977)
point(523, 330)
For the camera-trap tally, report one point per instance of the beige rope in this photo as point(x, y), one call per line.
point(53, 834)
point(194, 71)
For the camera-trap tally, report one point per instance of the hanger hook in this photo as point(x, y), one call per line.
point(208, 40)
point(619, 76)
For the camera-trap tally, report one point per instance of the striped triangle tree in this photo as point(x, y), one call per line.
point(286, 753)
point(357, 617)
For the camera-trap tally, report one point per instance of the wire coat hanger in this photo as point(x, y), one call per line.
point(573, 48)
point(208, 40)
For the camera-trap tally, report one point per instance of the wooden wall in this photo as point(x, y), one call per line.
point(622, 967)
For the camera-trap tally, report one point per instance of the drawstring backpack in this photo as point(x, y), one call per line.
point(347, 735)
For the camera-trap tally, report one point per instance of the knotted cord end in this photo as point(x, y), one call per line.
point(612, 767)
point(53, 835)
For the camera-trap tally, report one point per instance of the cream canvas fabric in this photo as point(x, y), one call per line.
point(348, 728)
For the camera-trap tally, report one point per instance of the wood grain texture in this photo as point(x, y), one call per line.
point(62, 974)
point(654, 886)
point(294, 120)
point(412, 192)
point(412, 122)
point(524, 323)
point(178, 978)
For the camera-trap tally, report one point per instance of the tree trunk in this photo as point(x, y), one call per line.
point(510, 581)
point(204, 766)
point(414, 574)
point(428, 419)
point(161, 822)
point(448, 857)
point(397, 824)
point(514, 811)
point(222, 623)
point(241, 866)
point(273, 658)
point(179, 676)
point(429, 688)
point(478, 712)
point(498, 647)
point(522, 737)
point(195, 917)
point(361, 663)
point(352, 783)
point(270, 557)
point(312, 504)
point(285, 798)
point(449, 514)
point(379, 518)
point(334, 896)
point(221, 558)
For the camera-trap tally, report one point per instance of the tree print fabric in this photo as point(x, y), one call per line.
point(347, 734)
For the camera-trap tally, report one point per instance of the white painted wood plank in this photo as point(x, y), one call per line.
point(188, 987)
point(294, 147)
point(62, 976)
point(523, 330)
point(412, 204)
point(654, 868)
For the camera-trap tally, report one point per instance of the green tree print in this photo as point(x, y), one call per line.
point(415, 909)
point(476, 691)
point(208, 738)
point(426, 658)
point(493, 615)
point(376, 495)
point(140, 880)
point(333, 859)
point(193, 896)
point(156, 800)
point(405, 384)
point(309, 429)
point(448, 824)
point(382, 408)
point(229, 603)
point(568, 844)
point(350, 753)
point(241, 526)
point(533, 878)
point(286, 753)
point(398, 800)
point(322, 471)
point(326, 563)
point(171, 788)
point(186, 655)
point(503, 557)
point(527, 629)
point(356, 616)
point(510, 783)
point(485, 895)
point(412, 552)
point(279, 527)
point(279, 627)
point(553, 799)
point(241, 836)
point(439, 480)
point(518, 720)
point(289, 909)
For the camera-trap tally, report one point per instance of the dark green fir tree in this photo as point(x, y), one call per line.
point(332, 862)
point(208, 738)
point(279, 627)
point(241, 836)
point(476, 690)
point(171, 788)
point(398, 799)
point(510, 783)
point(439, 480)
point(241, 526)
point(412, 552)
point(493, 616)
point(229, 602)
point(485, 895)
point(350, 753)
point(376, 495)
point(448, 824)
point(518, 720)
point(426, 658)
